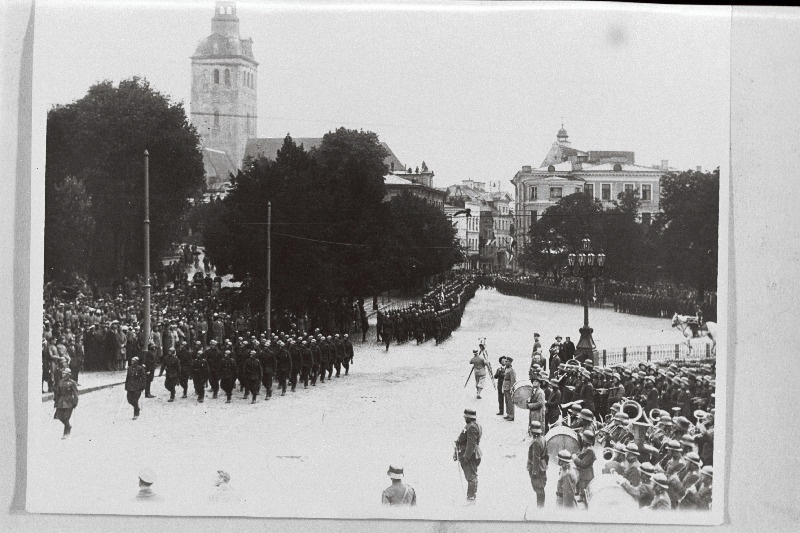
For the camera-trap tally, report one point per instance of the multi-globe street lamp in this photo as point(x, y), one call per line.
point(586, 264)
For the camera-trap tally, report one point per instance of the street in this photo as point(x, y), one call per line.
point(324, 451)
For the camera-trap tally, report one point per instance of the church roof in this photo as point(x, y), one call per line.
point(268, 147)
point(218, 168)
point(217, 46)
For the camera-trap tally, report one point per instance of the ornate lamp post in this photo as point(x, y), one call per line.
point(586, 264)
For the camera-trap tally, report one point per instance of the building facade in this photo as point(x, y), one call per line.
point(601, 174)
point(416, 182)
point(223, 104)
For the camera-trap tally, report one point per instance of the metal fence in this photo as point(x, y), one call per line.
point(655, 352)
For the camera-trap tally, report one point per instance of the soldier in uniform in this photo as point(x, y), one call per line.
point(214, 358)
point(150, 368)
point(200, 373)
point(267, 359)
point(398, 494)
point(338, 354)
point(283, 366)
point(172, 365)
point(584, 463)
point(185, 359)
point(643, 492)
point(566, 489)
point(348, 353)
point(537, 462)
point(315, 360)
point(254, 374)
point(297, 363)
point(227, 374)
point(307, 360)
point(468, 452)
point(66, 399)
point(478, 363)
point(536, 403)
point(135, 382)
point(661, 499)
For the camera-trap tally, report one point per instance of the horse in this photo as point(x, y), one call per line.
point(708, 329)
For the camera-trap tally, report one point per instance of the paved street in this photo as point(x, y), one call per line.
point(324, 452)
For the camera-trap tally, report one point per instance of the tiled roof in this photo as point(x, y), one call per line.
point(219, 46)
point(268, 147)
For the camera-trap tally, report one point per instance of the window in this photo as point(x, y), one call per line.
point(606, 191)
point(555, 193)
point(617, 167)
point(533, 217)
point(216, 75)
point(534, 193)
point(647, 193)
point(589, 189)
point(227, 77)
point(629, 187)
point(646, 219)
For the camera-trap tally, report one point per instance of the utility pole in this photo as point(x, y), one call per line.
point(146, 285)
point(269, 269)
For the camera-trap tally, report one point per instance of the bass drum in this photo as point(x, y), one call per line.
point(561, 438)
point(604, 492)
point(521, 393)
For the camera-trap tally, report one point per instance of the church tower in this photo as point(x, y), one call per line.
point(224, 86)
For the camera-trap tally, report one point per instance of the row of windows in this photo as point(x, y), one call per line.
point(646, 218)
point(556, 193)
point(248, 78)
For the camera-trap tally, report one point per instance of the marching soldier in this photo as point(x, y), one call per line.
point(227, 374)
point(348, 353)
point(283, 366)
point(172, 365)
point(185, 359)
point(254, 376)
point(134, 384)
point(213, 358)
point(267, 360)
point(307, 359)
point(200, 374)
point(468, 452)
point(297, 363)
point(478, 363)
point(66, 399)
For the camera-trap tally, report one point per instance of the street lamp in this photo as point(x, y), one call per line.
point(587, 264)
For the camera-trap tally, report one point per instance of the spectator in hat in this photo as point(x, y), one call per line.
point(468, 452)
point(224, 493)
point(66, 399)
point(509, 378)
point(499, 375)
point(398, 494)
point(135, 382)
point(556, 349)
point(146, 480)
point(566, 488)
point(537, 462)
point(536, 353)
point(568, 349)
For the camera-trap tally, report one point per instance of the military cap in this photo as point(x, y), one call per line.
point(683, 422)
point(470, 413)
point(660, 479)
point(147, 476)
point(647, 469)
point(588, 435)
point(575, 408)
point(586, 414)
point(694, 458)
point(674, 445)
point(619, 447)
point(632, 448)
point(536, 427)
point(621, 416)
point(564, 456)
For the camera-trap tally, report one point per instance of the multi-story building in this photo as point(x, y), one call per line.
point(601, 174)
point(416, 182)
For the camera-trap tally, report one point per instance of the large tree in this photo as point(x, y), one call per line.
point(69, 229)
point(100, 139)
point(688, 227)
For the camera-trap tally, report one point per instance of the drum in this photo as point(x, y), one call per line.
point(521, 393)
point(604, 492)
point(561, 438)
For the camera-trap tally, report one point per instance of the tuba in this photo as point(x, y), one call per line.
point(608, 453)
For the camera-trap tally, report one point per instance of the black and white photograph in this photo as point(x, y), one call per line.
point(460, 261)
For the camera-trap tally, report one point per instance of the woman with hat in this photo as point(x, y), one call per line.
point(537, 462)
point(398, 494)
point(66, 399)
point(566, 488)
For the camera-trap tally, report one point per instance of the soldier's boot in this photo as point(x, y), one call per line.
point(254, 399)
point(245, 395)
point(215, 396)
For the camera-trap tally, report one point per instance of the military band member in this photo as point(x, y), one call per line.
point(185, 358)
point(566, 489)
point(661, 499)
point(584, 463)
point(643, 492)
point(66, 399)
point(468, 452)
point(398, 494)
point(632, 472)
point(499, 375)
point(537, 462)
point(536, 403)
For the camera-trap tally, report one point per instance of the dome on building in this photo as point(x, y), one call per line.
point(562, 132)
point(218, 46)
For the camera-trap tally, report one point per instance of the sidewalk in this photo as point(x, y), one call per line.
point(92, 381)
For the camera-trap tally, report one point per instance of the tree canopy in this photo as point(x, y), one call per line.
point(100, 141)
point(332, 232)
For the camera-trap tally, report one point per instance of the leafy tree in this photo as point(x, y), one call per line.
point(688, 227)
point(69, 229)
point(628, 257)
point(100, 139)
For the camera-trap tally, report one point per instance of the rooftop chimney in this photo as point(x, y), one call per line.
point(665, 164)
point(526, 168)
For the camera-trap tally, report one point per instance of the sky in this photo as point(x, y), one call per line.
point(474, 89)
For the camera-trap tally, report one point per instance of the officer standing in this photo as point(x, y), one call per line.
point(468, 452)
point(134, 384)
point(537, 462)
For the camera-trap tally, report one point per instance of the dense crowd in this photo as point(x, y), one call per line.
point(435, 316)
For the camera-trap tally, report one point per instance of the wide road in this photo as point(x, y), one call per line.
point(324, 452)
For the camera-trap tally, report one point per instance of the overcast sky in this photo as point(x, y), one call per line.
point(476, 90)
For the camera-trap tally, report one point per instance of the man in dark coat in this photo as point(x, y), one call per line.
point(254, 374)
point(200, 372)
point(135, 382)
point(66, 399)
point(537, 462)
point(149, 359)
point(227, 374)
point(172, 366)
point(348, 353)
point(283, 366)
point(267, 359)
point(468, 452)
point(185, 358)
point(214, 358)
point(568, 350)
point(499, 376)
point(307, 361)
point(553, 403)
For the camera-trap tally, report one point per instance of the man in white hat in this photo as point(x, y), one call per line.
point(146, 480)
point(398, 494)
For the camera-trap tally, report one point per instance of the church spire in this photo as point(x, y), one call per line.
point(225, 21)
